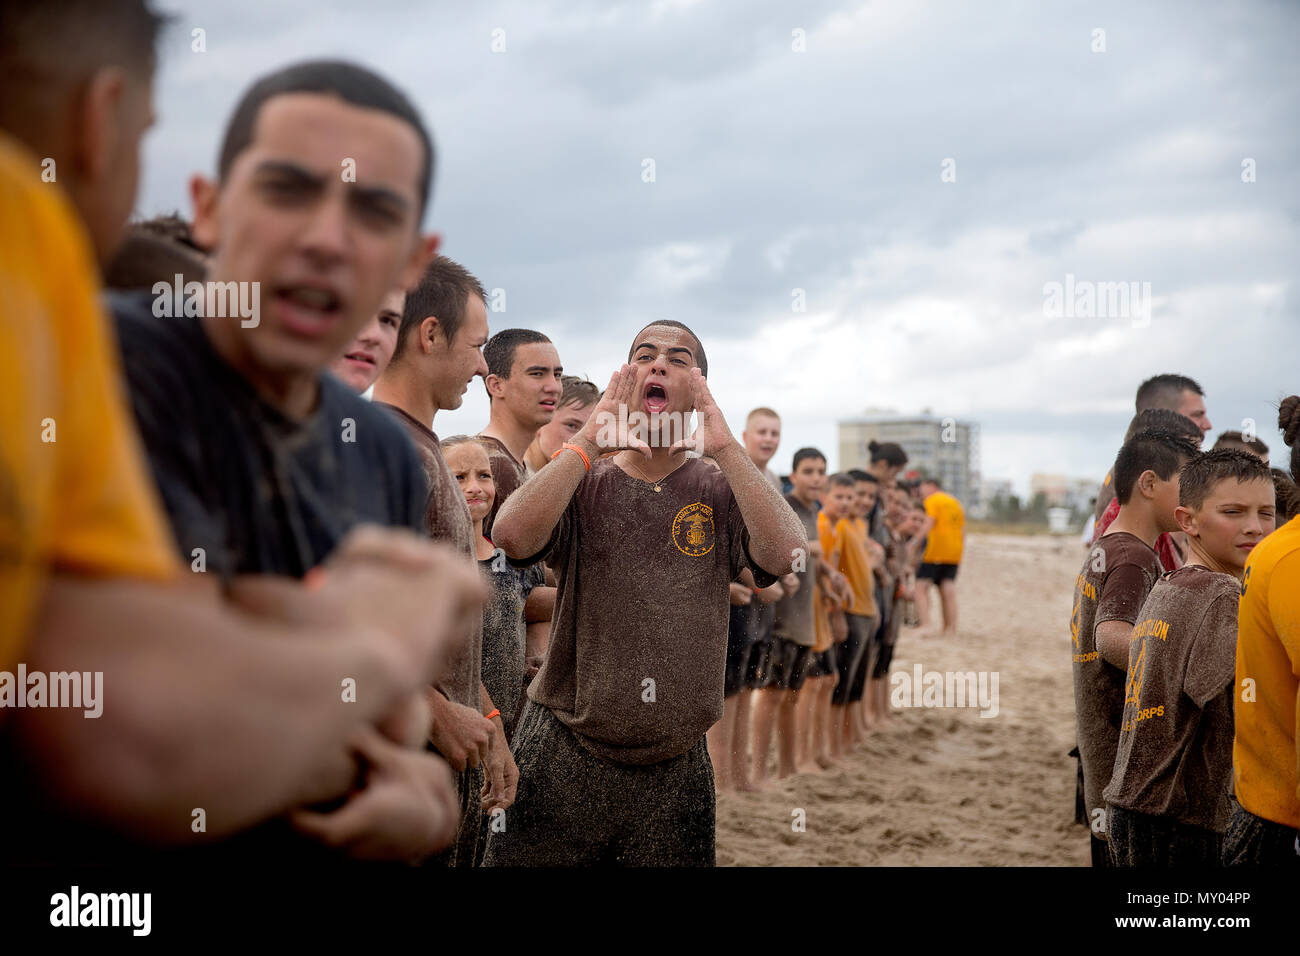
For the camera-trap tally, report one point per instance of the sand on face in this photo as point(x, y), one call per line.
point(946, 787)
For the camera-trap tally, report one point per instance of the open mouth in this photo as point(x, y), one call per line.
point(655, 398)
point(308, 310)
point(361, 358)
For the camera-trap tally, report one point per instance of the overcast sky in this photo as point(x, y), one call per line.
point(823, 170)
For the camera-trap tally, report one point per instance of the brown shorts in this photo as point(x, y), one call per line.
point(576, 808)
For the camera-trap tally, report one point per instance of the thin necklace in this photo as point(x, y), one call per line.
point(658, 484)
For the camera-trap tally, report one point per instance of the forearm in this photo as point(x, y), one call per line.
point(525, 522)
point(203, 708)
point(775, 531)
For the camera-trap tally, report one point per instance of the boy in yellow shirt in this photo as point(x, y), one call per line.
point(1264, 825)
point(844, 543)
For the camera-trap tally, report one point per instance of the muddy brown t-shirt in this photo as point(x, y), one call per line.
point(1117, 575)
point(794, 615)
point(508, 473)
point(446, 518)
point(504, 634)
point(639, 638)
point(1175, 745)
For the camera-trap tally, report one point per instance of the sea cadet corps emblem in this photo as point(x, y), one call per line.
point(693, 530)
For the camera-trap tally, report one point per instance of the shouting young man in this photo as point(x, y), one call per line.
point(613, 763)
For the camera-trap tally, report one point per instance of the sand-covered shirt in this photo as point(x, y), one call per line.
point(508, 473)
point(795, 618)
point(1175, 745)
point(1265, 752)
point(446, 518)
point(639, 637)
point(1117, 575)
point(504, 633)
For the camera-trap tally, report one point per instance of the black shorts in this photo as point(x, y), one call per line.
point(851, 663)
point(787, 664)
point(758, 662)
point(739, 641)
point(1141, 839)
point(938, 573)
point(576, 808)
point(822, 663)
point(1254, 841)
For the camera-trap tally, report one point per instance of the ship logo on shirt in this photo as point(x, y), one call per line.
point(693, 530)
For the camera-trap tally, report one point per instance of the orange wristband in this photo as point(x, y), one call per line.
point(585, 460)
point(495, 713)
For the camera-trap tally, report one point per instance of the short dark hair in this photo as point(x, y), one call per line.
point(1151, 449)
point(144, 258)
point(890, 452)
point(171, 225)
point(931, 481)
point(578, 391)
point(843, 479)
point(700, 358)
point(442, 292)
point(51, 46)
point(1235, 439)
point(1164, 419)
point(1163, 391)
point(803, 453)
point(349, 82)
point(1199, 476)
point(860, 475)
point(499, 351)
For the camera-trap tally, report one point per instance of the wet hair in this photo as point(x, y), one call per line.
point(578, 391)
point(446, 444)
point(171, 226)
point(499, 351)
point(442, 292)
point(1164, 391)
point(349, 82)
point(1287, 494)
point(842, 479)
point(1164, 419)
point(803, 453)
point(144, 258)
point(860, 475)
point(1235, 439)
point(1288, 423)
point(700, 358)
point(1157, 450)
point(890, 452)
point(1199, 476)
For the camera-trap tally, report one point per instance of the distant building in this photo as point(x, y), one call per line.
point(1063, 492)
point(991, 490)
point(940, 447)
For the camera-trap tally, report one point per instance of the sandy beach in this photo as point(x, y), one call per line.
point(947, 787)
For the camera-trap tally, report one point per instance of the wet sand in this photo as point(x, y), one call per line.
point(946, 787)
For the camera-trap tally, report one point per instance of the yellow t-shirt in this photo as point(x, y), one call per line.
point(74, 493)
point(1266, 745)
point(845, 547)
point(945, 541)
